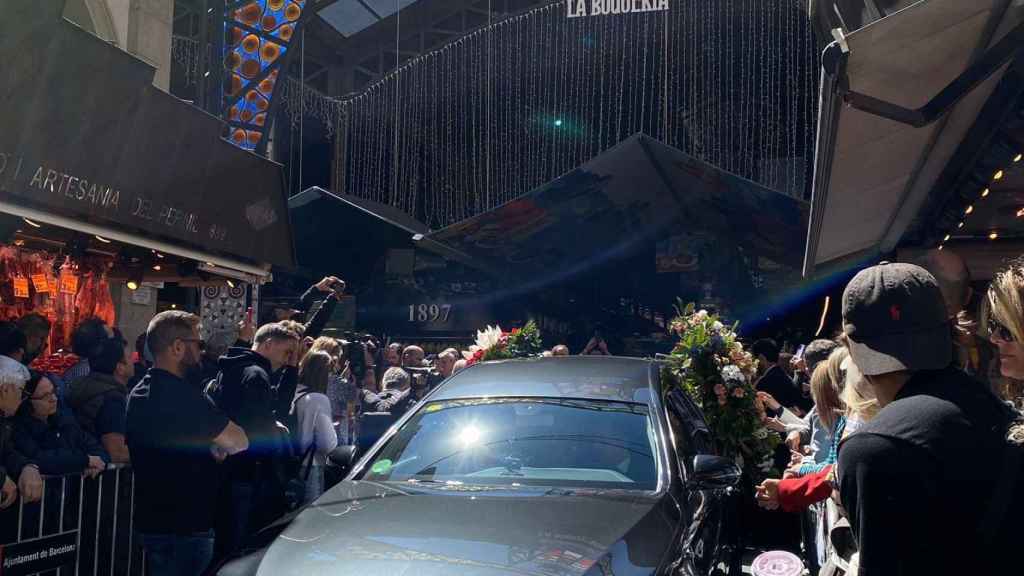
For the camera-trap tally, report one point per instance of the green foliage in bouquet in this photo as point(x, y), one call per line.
point(711, 366)
point(494, 344)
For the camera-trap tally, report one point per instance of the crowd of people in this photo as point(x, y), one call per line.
point(880, 425)
point(224, 437)
point(904, 459)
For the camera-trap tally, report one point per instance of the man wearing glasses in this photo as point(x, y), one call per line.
point(177, 439)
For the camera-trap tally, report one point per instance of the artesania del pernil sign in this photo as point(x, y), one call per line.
point(580, 8)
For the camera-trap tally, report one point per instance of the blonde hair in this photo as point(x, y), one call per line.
point(1004, 301)
point(326, 344)
point(857, 393)
point(827, 383)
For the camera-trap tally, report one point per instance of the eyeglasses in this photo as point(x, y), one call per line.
point(997, 330)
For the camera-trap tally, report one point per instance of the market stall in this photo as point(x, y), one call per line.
point(114, 189)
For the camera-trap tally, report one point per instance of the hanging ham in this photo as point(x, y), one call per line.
point(104, 302)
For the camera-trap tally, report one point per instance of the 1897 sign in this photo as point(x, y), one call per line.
point(579, 8)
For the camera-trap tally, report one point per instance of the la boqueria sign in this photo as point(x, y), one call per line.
point(119, 153)
point(580, 8)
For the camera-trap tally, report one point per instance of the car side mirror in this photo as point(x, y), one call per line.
point(343, 458)
point(714, 473)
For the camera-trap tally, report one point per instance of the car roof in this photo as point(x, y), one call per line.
point(587, 377)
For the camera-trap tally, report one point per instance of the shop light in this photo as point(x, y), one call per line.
point(993, 236)
point(946, 239)
point(984, 192)
point(941, 246)
point(157, 267)
point(558, 123)
point(998, 175)
point(969, 210)
point(960, 225)
point(1017, 158)
point(231, 283)
point(1020, 213)
point(174, 305)
point(101, 239)
point(157, 254)
point(134, 279)
point(32, 224)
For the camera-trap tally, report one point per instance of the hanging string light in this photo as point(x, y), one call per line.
point(517, 103)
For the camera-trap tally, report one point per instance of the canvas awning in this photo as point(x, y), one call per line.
point(873, 174)
point(88, 143)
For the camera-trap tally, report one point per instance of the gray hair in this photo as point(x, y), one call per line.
point(395, 378)
point(13, 372)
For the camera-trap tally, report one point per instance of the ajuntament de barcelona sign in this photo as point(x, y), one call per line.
point(581, 8)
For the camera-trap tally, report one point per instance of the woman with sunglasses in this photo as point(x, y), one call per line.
point(53, 439)
point(1003, 314)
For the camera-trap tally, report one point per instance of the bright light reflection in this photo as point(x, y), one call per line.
point(469, 435)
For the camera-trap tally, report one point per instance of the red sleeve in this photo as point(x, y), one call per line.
point(796, 494)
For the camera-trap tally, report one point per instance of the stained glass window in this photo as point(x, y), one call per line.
point(258, 35)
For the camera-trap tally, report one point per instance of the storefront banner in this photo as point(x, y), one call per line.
point(117, 152)
point(580, 8)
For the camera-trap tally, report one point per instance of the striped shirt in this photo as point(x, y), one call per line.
point(833, 451)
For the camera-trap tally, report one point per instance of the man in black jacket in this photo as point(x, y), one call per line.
point(917, 480)
point(99, 400)
point(252, 494)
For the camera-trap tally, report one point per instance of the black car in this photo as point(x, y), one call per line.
point(554, 466)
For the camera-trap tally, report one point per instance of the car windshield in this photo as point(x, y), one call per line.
point(548, 442)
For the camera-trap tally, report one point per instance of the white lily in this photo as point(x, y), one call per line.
point(485, 340)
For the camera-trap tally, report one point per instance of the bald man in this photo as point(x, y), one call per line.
point(975, 355)
point(560, 350)
point(412, 357)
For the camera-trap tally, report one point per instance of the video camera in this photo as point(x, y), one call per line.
point(428, 376)
point(354, 347)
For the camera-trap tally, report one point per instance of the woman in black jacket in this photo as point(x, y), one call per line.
point(53, 440)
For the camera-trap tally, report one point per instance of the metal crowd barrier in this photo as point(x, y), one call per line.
point(81, 526)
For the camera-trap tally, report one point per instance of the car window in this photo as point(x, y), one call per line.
point(550, 442)
point(680, 438)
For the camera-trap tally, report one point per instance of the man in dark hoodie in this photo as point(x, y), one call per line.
point(99, 400)
point(252, 494)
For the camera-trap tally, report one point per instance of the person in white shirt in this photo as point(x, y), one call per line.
point(312, 409)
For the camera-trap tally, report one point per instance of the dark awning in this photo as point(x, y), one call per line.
point(636, 192)
point(346, 236)
point(87, 138)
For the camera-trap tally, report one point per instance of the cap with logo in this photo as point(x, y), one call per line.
point(895, 319)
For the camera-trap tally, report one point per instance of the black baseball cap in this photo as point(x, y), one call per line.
point(895, 319)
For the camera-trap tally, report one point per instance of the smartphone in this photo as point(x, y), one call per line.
point(799, 352)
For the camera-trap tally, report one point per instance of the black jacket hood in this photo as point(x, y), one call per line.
point(241, 358)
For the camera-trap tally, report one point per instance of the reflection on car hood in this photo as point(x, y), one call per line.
point(371, 528)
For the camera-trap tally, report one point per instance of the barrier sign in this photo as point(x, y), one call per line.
point(39, 555)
